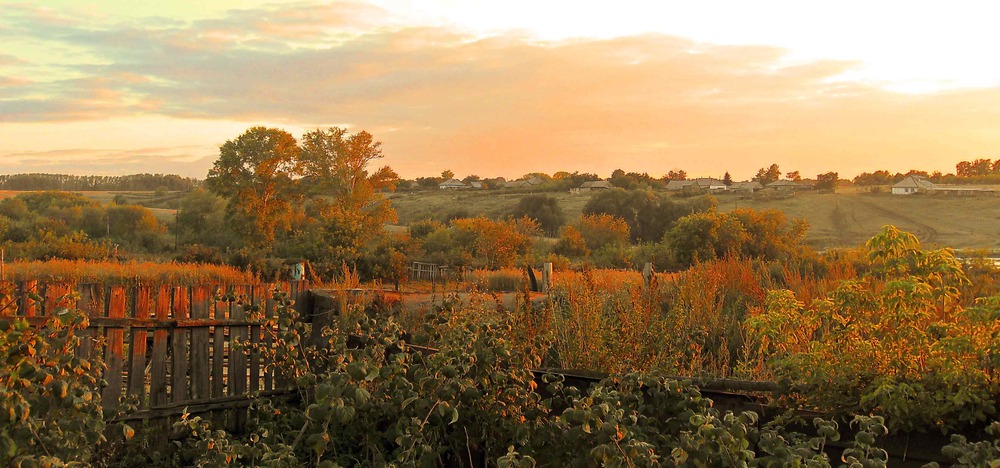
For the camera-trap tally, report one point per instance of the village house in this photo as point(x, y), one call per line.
point(452, 184)
point(593, 185)
point(702, 183)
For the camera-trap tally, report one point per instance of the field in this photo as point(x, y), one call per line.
point(835, 220)
point(163, 207)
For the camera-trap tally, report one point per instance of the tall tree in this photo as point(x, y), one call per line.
point(727, 179)
point(766, 176)
point(346, 208)
point(256, 173)
point(827, 181)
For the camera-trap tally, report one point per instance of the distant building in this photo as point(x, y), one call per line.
point(746, 187)
point(594, 185)
point(913, 184)
point(786, 185)
point(476, 184)
point(703, 183)
point(525, 183)
point(452, 184)
point(917, 184)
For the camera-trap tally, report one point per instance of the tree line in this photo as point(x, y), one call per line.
point(133, 182)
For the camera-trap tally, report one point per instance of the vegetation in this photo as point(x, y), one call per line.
point(134, 182)
point(739, 294)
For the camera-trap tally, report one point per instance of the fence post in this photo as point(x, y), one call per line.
point(647, 274)
point(546, 277)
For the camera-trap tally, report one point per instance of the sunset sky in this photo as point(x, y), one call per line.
point(505, 88)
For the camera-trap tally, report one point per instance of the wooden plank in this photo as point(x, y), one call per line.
point(25, 304)
point(137, 366)
point(89, 304)
point(158, 366)
point(200, 306)
point(220, 309)
point(179, 380)
point(114, 353)
point(255, 343)
point(238, 337)
point(269, 332)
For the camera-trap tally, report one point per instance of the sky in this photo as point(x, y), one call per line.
point(504, 88)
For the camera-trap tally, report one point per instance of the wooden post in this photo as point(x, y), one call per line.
point(546, 277)
point(647, 274)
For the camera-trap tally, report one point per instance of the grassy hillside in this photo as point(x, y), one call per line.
point(843, 219)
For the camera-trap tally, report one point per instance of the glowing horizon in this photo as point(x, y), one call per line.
point(504, 89)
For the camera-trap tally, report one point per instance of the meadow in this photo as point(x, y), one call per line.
point(835, 219)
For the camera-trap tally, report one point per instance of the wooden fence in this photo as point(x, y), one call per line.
point(173, 349)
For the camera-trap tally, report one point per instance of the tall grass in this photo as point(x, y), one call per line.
point(123, 273)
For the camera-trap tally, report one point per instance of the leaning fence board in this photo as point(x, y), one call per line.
point(114, 353)
point(181, 311)
point(200, 297)
point(158, 367)
point(137, 365)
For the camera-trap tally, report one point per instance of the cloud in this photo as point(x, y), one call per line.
point(502, 105)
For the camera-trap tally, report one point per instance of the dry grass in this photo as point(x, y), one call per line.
point(124, 273)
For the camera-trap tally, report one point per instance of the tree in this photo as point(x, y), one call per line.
point(727, 179)
point(201, 220)
point(676, 175)
point(447, 174)
point(978, 167)
point(827, 181)
point(648, 214)
point(256, 173)
point(705, 236)
point(602, 230)
point(347, 208)
point(542, 208)
point(766, 176)
point(793, 176)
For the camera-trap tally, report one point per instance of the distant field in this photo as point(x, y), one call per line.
point(835, 220)
point(157, 205)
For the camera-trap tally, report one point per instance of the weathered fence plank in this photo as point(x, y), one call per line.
point(114, 358)
point(256, 294)
point(179, 342)
point(158, 367)
point(220, 310)
point(137, 365)
point(200, 369)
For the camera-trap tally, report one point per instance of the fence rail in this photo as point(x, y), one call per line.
point(169, 348)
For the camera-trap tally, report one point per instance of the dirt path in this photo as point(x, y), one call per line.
point(924, 232)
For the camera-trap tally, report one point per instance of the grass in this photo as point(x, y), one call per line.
point(846, 219)
point(78, 271)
